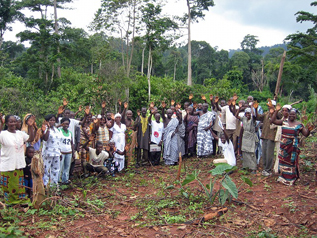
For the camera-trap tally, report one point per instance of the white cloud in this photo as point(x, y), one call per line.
point(224, 26)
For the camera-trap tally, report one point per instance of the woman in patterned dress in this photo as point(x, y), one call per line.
point(289, 151)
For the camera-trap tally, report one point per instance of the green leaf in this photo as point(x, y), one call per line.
point(221, 168)
point(223, 196)
point(228, 184)
point(170, 187)
point(189, 178)
point(247, 181)
point(185, 194)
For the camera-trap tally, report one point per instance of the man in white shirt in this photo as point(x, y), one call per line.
point(230, 123)
point(157, 128)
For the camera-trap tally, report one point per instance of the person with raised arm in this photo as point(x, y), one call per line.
point(249, 137)
point(204, 135)
point(101, 129)
point(51, 150)
point(131, 134)
point(143, 138)
point(289, 151)
point(170, 154)
point(12, 162)
point(268, 136)
point(191, 121)
point(119, 137)
point(227, 148)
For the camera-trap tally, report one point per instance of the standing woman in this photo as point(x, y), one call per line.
point(30, 128)
point(289, 151)
point(12, 162)
point(285, 111)
point(131, 134)
point(249, 138)
point(51, 150)
point(119, 137)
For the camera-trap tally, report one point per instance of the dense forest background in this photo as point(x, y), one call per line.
point(144, 63)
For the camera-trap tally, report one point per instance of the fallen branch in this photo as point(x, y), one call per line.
point(307, 197)
point(208, 216)
point(212, 215)
point(49, 198)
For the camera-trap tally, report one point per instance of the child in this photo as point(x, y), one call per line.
point(157, 128)
point(227, 149)
point(29, 153)
point(110, 164)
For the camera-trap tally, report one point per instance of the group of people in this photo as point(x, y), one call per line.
point(108, 142)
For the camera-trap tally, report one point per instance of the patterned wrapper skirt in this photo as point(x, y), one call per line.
point(12, 184)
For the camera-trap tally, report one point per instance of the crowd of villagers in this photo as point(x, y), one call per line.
point(33, 157)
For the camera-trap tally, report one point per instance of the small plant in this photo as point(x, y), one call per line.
point(228, 187)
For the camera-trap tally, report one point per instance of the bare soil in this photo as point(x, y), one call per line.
point(132, 205)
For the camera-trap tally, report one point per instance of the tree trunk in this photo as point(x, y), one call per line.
point(149, 68)
point(92, 68)
point(189, 73)
point(142, 65)
point(175, 64)
point(59, 73)
point(279, 77)
point(132, 44)
point(122, 52)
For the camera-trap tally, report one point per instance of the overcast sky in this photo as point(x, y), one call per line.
point(225, 24)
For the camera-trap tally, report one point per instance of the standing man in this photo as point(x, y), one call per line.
point(170, 141)
point(268, 137)
point(157, 128)
point(143, 138)
point(230, 122)
point(204, 136)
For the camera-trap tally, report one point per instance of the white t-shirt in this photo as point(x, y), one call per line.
point(157, 131)
point(12, 150)
point(229, 118)
point(72, 125)
point(66, 145)
point(228, 152)
point(97, 160)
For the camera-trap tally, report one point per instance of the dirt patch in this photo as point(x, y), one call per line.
point(141, 203)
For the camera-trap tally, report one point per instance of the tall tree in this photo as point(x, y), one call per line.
point(43, 53)
point(120, 16)
point(195, 10)
point(157, 28)
point(9, 12)
point(303, 46)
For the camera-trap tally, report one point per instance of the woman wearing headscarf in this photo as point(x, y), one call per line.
point(289, 151)
point(249, 139)
point(119, 137)
point(29, 127)
point(12, 162)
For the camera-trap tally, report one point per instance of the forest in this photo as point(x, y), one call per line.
point(145, 63)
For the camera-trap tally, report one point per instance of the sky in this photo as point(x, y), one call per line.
point(224, 25)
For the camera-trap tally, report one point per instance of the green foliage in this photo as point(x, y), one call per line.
point(221, 173)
